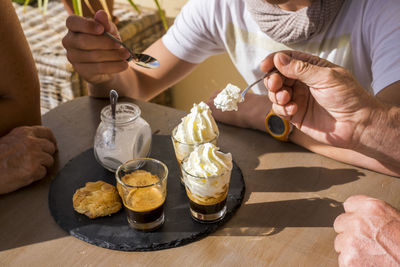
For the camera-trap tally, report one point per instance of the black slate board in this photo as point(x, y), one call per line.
point(113, 232)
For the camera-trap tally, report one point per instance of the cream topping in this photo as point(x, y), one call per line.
point(228, 99)
point(198, 126)
point(206, 162)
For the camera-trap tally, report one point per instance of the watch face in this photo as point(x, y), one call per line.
point(276, 125)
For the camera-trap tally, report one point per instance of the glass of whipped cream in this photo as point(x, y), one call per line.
point(207, 173)
point(196, 128)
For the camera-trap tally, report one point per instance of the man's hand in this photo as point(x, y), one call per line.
point(94, 56)
point(321, 99)
point(368, 233)
point(25, 155)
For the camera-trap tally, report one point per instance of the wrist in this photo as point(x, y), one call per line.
point(372, 129)
point(251, 113)
point(254, 112)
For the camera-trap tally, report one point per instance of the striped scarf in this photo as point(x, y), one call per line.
point(290, 27)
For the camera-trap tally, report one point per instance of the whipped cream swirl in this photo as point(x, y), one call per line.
point(198, 126)
point(207, 171)
point(228, 99)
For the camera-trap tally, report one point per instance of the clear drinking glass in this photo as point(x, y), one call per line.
point(207, 195)
point(182, 150)
point(126, 138)
point(142, 185)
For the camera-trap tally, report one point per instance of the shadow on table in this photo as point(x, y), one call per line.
point(298, 179)
point(272, 217)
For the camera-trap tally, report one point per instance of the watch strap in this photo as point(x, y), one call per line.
point(285, 125)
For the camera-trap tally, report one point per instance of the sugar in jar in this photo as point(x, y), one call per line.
point(126, 137)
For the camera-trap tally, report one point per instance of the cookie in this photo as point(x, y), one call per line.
point(96, 199)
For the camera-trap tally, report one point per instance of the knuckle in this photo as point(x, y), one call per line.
point(301, 67)
point(70, 56)
point(69, 22)
point(358, 223)
point(337, 222)
point(375, 206)
point(334, 74)
point(65, 40)
point(24, 130)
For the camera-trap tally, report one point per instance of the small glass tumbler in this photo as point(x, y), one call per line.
point(125, 138)
point(207, 195)
point(142, 185)
point(182, 150)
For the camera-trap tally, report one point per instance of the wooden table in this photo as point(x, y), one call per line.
point(292, 198)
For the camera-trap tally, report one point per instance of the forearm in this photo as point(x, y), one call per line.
point(141, 83)
point(344, 155)
point(381, 136)
point(19, 83)
point(125, 83)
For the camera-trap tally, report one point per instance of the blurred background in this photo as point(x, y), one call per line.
point(44, 27)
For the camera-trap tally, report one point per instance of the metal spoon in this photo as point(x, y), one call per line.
point(274, 70)
point(142, 60)
point(113, 101)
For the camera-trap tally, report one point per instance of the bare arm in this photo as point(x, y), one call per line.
point(101, 61)
point(252, 112)
point(144, 84)
point(327, 104)
point(19, 84)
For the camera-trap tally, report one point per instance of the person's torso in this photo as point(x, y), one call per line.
point(247, 45)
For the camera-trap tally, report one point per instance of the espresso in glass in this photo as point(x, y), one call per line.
point(142, 184)
point(207, 195)
point(145, 205)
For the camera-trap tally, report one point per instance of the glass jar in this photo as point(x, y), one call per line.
point(125, 138)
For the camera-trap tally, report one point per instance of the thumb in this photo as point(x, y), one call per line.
point(303, 71)
point(102, 18)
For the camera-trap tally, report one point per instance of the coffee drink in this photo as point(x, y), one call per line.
point(143, 193)
point(207, 173)
point(196, 128)
point(144, 205)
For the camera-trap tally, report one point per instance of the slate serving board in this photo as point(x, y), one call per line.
point(113, 232)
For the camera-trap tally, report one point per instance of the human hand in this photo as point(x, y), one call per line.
point(321, 99)
point(25, 153)
point(94, 56)
point(368, 233)
point(251, 112)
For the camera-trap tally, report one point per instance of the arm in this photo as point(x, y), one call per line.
point(144, 84)
point(19, 83)
point(328, 105)
point(102, 63)
point(252, 113)
point(25, 152)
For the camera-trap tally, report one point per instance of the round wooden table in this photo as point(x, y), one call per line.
point(292, 199)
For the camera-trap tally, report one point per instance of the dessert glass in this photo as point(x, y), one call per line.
point(182, 150)
point(207, 195)
point(143, 202)
point(125, 138)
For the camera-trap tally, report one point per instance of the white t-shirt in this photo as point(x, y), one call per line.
point(364, 38)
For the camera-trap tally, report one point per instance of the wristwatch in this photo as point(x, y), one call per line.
point(277, 127)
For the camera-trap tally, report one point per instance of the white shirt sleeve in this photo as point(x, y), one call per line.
point(193, 36)
point(382, 38)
